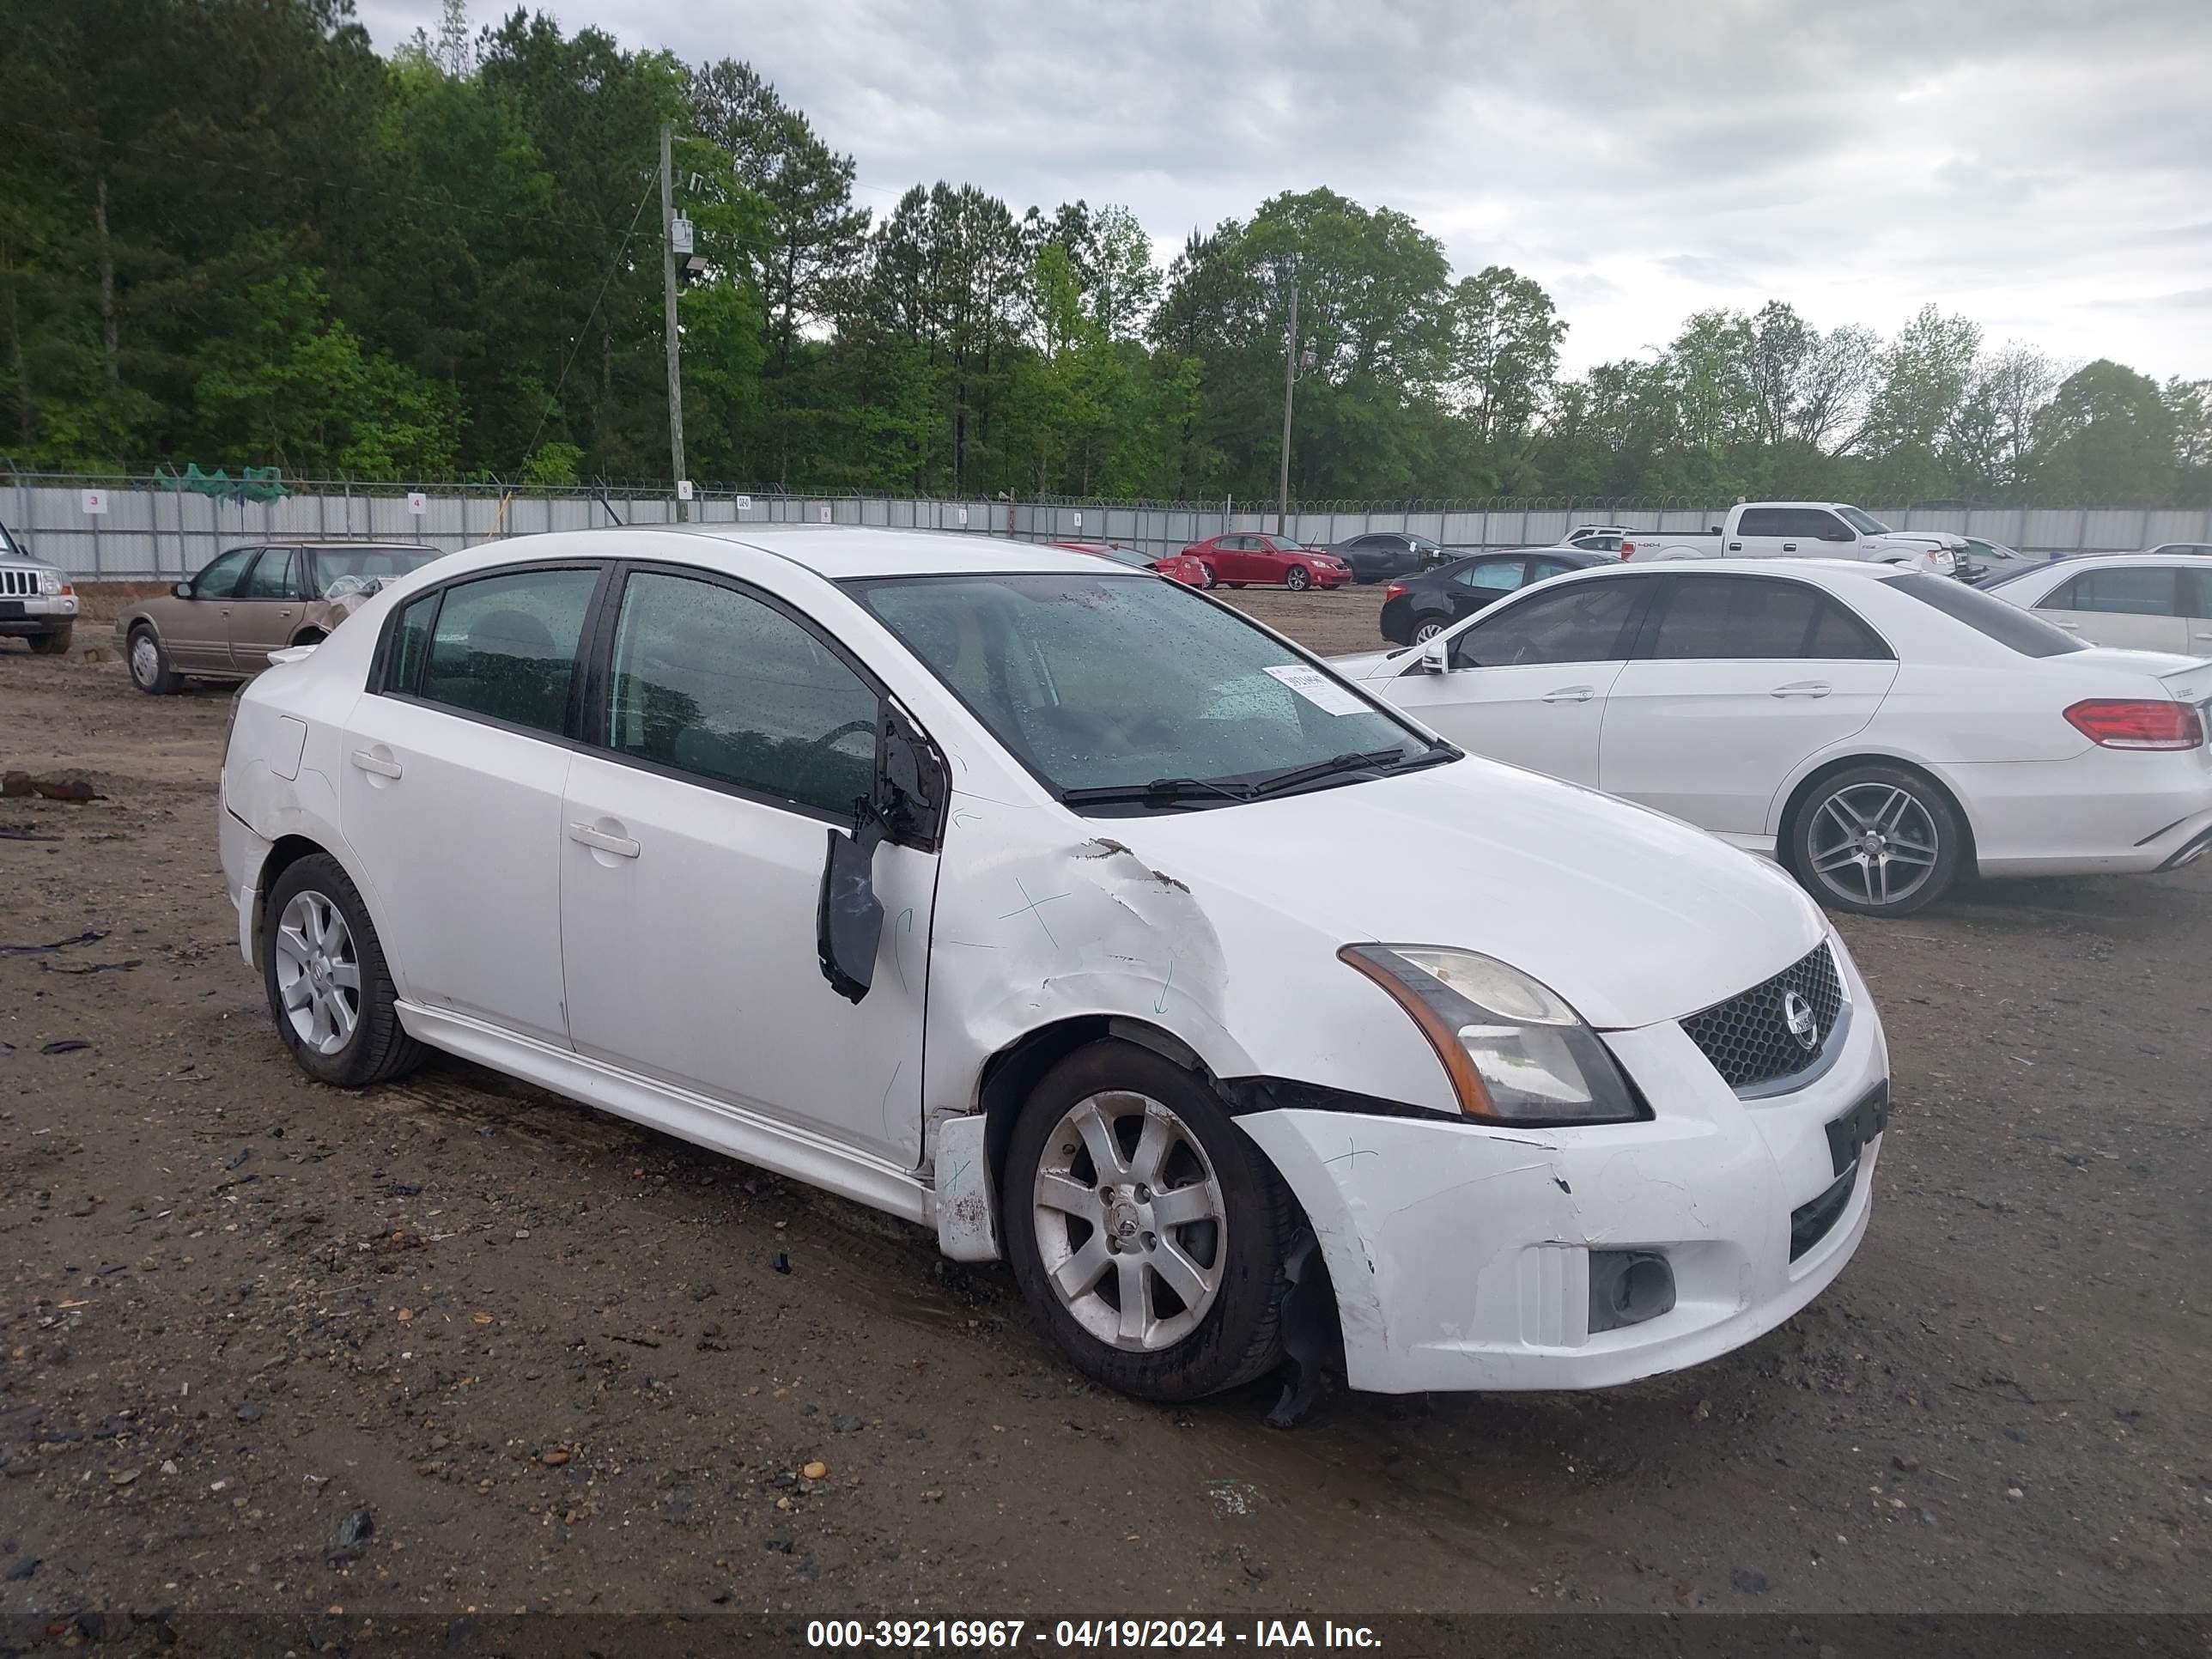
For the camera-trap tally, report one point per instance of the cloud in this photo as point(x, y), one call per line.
point(2016, 160)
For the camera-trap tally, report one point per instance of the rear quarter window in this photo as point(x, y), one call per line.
point(1993, 618)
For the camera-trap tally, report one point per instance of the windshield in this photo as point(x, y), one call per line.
point(1865, 522)
point(342, 570)
point(1109, 682)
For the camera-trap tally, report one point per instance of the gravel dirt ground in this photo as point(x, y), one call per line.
point(558, 1361)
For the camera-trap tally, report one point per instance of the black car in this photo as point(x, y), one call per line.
point(1381, 554)
point(1423, 606)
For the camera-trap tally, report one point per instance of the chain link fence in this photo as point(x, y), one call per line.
point(143, 529)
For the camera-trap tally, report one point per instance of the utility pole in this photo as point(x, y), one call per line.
point(668, 295)
point(1290, 381)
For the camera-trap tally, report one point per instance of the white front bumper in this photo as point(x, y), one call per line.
point(1460, 1254)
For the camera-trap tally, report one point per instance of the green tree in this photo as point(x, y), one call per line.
point(2105, 439)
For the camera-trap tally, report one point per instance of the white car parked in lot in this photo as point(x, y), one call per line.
point(1881, 732)
point(1802, 529)
point(2144, 601)
point(1005, 889)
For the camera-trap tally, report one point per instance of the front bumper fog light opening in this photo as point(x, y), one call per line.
point(1627, 1287)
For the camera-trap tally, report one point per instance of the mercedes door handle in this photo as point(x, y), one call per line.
point(376, 764)
point(2205, 632)
point(621, 846)
point(2075, 628)
point(1802, 688)
point(1572, 694)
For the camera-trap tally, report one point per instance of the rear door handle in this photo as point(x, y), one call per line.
point(1736, 547)
point(1572, 694)
point(376, 763)
point(2075, 628)
point(621, 846)
point(1802, 688)
point(2205, 632)
point(1789, 547)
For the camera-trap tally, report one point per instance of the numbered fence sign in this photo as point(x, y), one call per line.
point(417, 502)
point(93, 502)
point(684, 490)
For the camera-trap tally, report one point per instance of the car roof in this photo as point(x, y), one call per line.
point(328, 544)
point(2126, 561)
point(834, 552)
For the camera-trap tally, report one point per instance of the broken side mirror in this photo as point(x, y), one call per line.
point(1436, 657)
point(906, 808)
point(848, 923)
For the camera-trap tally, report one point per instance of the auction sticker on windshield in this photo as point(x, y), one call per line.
point(1317, 689)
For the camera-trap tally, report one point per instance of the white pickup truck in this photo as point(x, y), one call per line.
point(1803, 530)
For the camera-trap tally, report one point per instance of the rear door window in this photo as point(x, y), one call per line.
point(505, 647)
point(272, 575)
point(1491, 575)
point(1711, 618)
point(2139, 592)
point(2199, 592)
point(1763, 521)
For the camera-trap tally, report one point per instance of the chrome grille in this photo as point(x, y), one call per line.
point(1748, 1039)
point(16, 584)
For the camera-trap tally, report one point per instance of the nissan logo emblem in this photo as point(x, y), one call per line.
point(1803, 1023)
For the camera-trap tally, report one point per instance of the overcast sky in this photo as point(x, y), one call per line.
point(2043, 165)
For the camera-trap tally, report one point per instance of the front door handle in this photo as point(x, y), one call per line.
point(2205, 632)
point(2075, 628)
point(1802, 688)
point(621, 846)
point(1789, 547)
point(1572, 694)
point(376, 764)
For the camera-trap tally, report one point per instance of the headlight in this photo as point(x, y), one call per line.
point(50, 581)
point(1515, 1051)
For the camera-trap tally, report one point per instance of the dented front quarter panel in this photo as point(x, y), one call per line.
point(1043, 916)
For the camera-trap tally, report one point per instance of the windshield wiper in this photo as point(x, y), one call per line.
point(1165, 791)
point(1386, 759)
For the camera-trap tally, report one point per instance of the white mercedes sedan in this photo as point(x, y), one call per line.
point(1005, 889)
point(2142, 601)
point(1880, 732)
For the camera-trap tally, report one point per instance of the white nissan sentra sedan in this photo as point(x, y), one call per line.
point(1880, 731)
point(1005, 890)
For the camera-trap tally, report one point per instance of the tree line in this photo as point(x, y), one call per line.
point(231, 232)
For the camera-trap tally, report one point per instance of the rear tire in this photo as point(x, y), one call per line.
point(1239, 1223)
point(1426, 630)
point(1298, 578)
point(51, 645)
point(1875, 839)
point(315, 937)
point(149, 663)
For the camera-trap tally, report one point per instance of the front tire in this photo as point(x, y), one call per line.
point(1878, 841)
point(330, 990)
point(1146, 1230)
point(150, 664)
point(51, 645)
point(1298, 578)
point(1206, 578)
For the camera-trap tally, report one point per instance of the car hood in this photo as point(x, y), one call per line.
point(1632, 916)
point(1362, 665)
point(1938, 538)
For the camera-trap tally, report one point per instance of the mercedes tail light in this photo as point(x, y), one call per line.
point(2137, 723)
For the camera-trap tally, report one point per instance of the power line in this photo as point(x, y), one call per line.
point(554, 397)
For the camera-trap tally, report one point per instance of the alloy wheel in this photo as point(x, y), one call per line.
point(1131, 1227)
point(1873, 844)
point(1427, 631)
point(1297, 580)
point(318, 973)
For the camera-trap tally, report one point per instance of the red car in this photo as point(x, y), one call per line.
point(1245, 558)
point(1176, 567)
